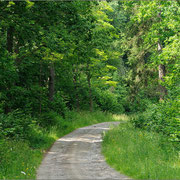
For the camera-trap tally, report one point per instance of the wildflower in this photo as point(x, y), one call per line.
point(23, 172)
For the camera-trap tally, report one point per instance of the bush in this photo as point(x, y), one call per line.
point(107, 101)
point(58, 105)
point(139, 102)
point(49, 119)
point(163, 117)
point(16, 125)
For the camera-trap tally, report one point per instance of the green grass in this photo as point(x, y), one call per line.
point(140, 154)
point(20, 159)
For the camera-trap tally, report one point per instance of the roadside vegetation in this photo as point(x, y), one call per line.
point(140, 154)
point(68, 64)
point(21, 157)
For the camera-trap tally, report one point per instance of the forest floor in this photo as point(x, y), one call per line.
point(78, 156)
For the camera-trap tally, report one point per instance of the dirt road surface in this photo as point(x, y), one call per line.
point(78, 156)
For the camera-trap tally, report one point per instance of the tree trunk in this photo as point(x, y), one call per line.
point(162, 73)
point(16, 50)
point(75, 89)
point(90, 90)
point(163, 90)
point(10, 33)
point(51, 81)
point(40, 94)
point(9, 44)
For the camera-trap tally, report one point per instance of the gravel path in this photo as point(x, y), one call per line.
point(78, 156)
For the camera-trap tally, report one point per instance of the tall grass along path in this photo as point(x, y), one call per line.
point(78, 156)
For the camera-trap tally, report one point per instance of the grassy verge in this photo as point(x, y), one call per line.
point(20, 159)
point(140, 154)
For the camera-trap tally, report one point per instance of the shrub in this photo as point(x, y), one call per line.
point(107, 101)
point(140, 102)
point(49, 119)
point(16, 125)
point(58, 105)
point(163, 117)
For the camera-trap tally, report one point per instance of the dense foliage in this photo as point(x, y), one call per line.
point(151, 47)
point(55, 56)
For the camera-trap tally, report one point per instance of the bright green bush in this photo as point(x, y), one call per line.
point(139, 102)
point(108, 101)
point(16, 125)
point(162, 117)
point(58, 105)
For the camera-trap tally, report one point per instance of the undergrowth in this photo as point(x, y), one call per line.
point(141, 154)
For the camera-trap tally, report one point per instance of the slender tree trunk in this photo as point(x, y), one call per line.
point(10, 33)
point(40, 95)
point(162, 73)
point(51, 81)
point(75, 89)
point(9, 44)
point(16, 50)
point(163, 90)
point(161, 68)
point(90, 90)
point(90, 94)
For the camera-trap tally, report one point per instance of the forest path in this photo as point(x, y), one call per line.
point(78, 156)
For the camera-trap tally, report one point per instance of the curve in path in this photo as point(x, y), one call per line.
point(78, 156)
